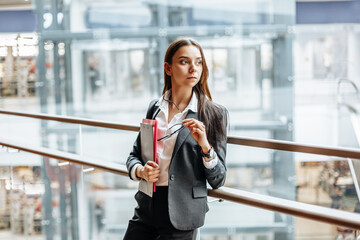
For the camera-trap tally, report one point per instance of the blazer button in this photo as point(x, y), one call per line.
point(172, 177)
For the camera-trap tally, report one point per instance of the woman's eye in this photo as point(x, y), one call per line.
point(199, 62)
point(183, 61)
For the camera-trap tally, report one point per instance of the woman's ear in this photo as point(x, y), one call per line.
point(167, 68)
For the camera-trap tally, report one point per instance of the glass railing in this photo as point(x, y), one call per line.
point(97, 204)
point(62, 200)
point(107, 141)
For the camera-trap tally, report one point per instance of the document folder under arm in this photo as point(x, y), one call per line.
point(148, 138)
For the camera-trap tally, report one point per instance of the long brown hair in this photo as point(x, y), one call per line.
point(211, 114)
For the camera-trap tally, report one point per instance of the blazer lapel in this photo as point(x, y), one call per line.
point(183, 134)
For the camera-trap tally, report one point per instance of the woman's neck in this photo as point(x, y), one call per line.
point(180, 98)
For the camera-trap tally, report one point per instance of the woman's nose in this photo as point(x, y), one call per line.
point(192, 67)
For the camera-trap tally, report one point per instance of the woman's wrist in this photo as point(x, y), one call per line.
point(138, 171)
point(206, 149)
point(210, 155)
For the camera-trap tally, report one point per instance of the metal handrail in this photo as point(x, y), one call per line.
point(339, 96)
point(298, 209)
point(69, 157)
point(74, 120)
point(313, 212)
point(338, 92)
point(245, 141)
point(295, 147)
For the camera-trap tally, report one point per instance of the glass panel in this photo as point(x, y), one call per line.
point(236, 221)
point(324, 64)
point(111, 67)
point(20, 130)
point(118, 80)
point(315, 179)
point(35, 133)
point(227, 219)
point(260, 170)
point(20, 199)
point(328, 183)
point(38, 197)
point(106, 144)
point(121, 76)
point(111, 203)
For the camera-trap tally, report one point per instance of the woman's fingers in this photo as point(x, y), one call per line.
point(153, 179)
point(154, 176)
point(193, 123)
point(152, 164)
point(151, 171)
point(198, 130)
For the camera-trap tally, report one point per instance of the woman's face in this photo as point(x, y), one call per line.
point(186, 67)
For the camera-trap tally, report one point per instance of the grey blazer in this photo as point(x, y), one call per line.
point(187, 196)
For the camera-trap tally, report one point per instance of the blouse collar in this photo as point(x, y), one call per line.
point(163, 104)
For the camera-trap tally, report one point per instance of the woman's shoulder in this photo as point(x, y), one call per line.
point(222, 109)
point(221, 112)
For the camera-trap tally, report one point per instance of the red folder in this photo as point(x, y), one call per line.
point(155, 130)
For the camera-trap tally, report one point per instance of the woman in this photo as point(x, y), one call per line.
point(191, 150)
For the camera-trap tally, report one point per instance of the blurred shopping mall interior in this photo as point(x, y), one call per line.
point(287, 71)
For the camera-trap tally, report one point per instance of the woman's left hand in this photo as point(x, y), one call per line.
point(198, 132)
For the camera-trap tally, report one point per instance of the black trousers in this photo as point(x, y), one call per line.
point(153, 223)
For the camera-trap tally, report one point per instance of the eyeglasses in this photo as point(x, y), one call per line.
point(177, 130)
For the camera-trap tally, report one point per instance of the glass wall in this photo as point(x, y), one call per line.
point(106, 61)
point(325, 80)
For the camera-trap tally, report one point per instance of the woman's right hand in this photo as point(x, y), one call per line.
point(150, 172)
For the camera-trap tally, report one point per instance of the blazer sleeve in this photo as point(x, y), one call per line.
point(135, 154)
point(216, 176)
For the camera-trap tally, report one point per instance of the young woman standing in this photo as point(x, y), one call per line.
point(191, 150)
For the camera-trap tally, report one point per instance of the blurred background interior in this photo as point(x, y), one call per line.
point(285, 70)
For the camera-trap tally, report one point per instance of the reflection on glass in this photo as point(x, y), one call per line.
point(327, 183)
